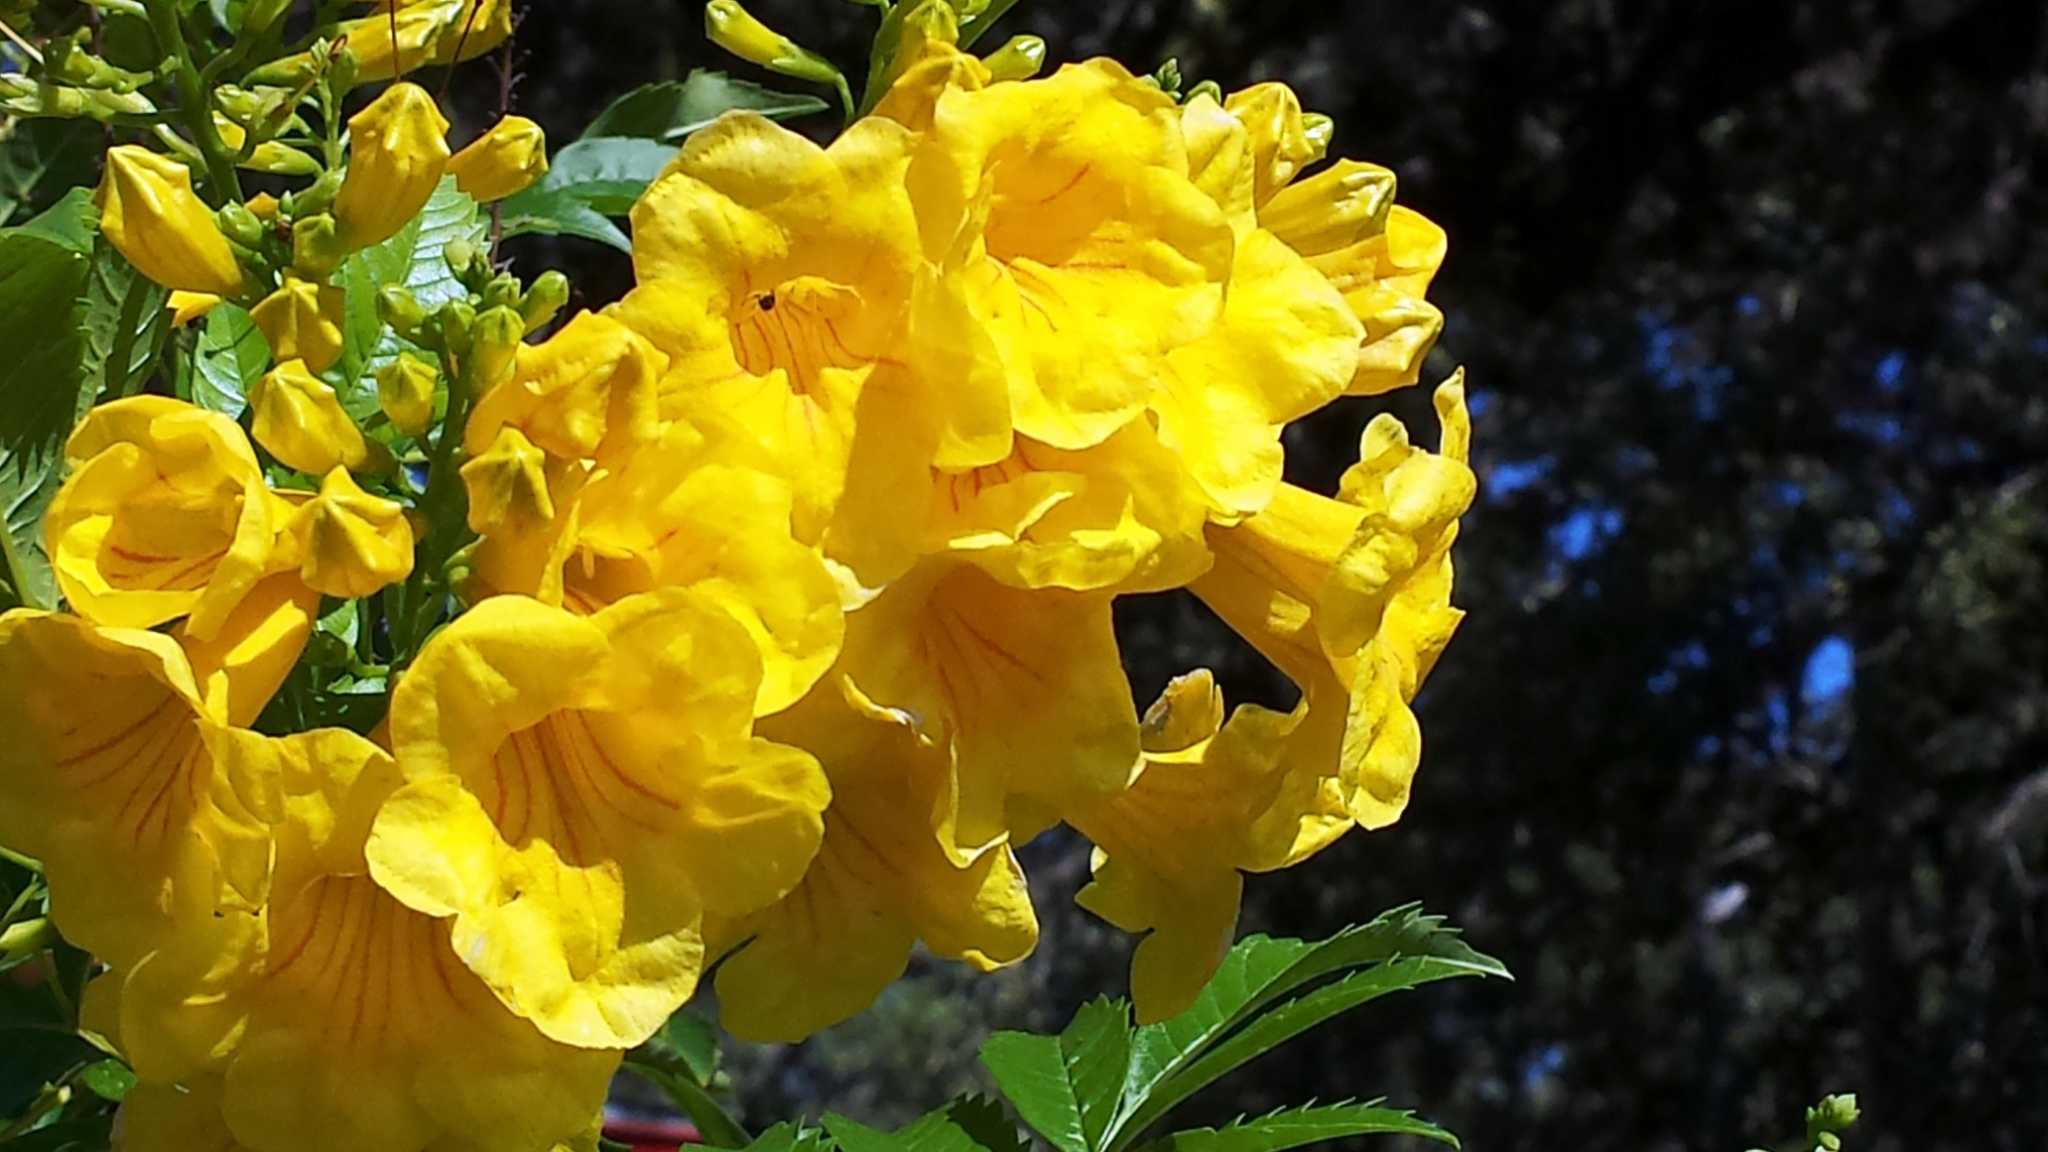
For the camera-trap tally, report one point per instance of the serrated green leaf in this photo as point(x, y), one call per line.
point(1067, 1087)
point(560, 212)
point(111, 285)
point(415, 259)
point(990, 1124)
point(672, 110)
point(1252, 1003)
point(1300, 1127)
point(232, 355)
point(44, 381)
point(25, 493)
point(787, 1137)
point(935, 1132)
point(108, 1079)
point(41, 160)
point(448, 216)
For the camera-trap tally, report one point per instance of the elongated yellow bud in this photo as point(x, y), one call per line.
point(735, 29)
point(1020, 59)
point(507, 159)
point(398, 150)
point(149, 212)
point(302, 321)
point(299, 420)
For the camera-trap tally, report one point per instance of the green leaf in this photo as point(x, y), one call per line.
point(687, 1043)
point(1251, 1005)
point(44, 383)
point(42, 160)
point(935, 1132)
point(92, 1134)
point(1299, 1127)
point(587, 182)
point(1067, 1087)
point(31, 1057)
point(114, 293)
point(786, 1137)
point(413, 258)
point(108, 1079)
point(26, 487)
point(449, 216)
point(671, 110)
point(232, 355)
point(989, 1123)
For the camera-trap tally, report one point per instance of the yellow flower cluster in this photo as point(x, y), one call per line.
point(788, 609)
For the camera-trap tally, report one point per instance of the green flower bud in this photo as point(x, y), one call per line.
point(241, 225)
point(317, 248)
point(548, 294)
point(398, 308)
point(496, 347)
point(1020, 59)
point(315, 197)
point(457, 324)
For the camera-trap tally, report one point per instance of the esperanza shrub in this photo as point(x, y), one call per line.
point(413, 693)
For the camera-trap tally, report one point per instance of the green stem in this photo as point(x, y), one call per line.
point(27, 937)
point(442, 508)
point(195, 100)
point(714, 1124)
point(120, 366)
point(25, 863)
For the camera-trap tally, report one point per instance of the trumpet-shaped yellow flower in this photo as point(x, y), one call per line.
point(1025, 688)
point(149, 212)
point(588, 393)
point(508, 158)
point(881, 882)
point(405, 393)
point(1215, 800)
point(774, 274)
point(337, 1018)
point(165, 514)
point(1249, 153)
point(351, 544)
point(109, 776)
point(302, 321)
point(683, 512)
point(174, 1118)
point(299, 420)
point(238, 667)
point(429, 32)
point(1086, 251)
point(582, 792)
point(1351, 598)
point(398, 149)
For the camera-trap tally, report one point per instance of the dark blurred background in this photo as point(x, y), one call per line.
point(1741, 760)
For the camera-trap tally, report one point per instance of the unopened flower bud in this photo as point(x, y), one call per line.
point(545, 297)
point(461, 255)
point(502, 290)
point(734, 29)
point(397, 307)
point(150, 213)
point(315, 197)
point(302, 321)
point(240, 225)
point(398, 150)
point(299, 420)
point(457, 324)
point(507, 159)
point(508, 486)
point(405, 391)
point(351, 544)
point(1020, 59)
point(495, 349)
point(317, 247)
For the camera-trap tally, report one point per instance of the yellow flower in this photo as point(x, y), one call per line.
point(1351, 599)
point(189, 306)
point(773, 274)
point(928, 62)
point(1025, 688)
point(507, 159)
point(398, 148)
point(682, 512)
point(149, 212)
point(299, 420)
point(109, 775)
point(881, 882)
point(1089, 252)
point(302, 321)
point(1249, 152)
point(352, 543)
point(239, 667)
point(165, 514)
point(405, 393)
point(1215, 800)
point(429, 32)
point(336, 1018)
point(588, 393)
point(509, 487)
point(582, 792)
